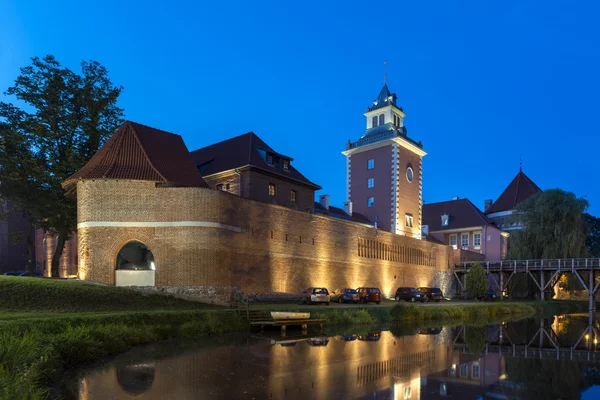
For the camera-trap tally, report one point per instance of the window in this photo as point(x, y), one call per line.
point(475, 371)
point(270, 159)
point(464, 240)
point(292, 195)
point(445, 219)
point(219, 186)
point(371, 183)
point(477, 239)
point(453, 240)
point(464, 370)
point(408, 220)
point(286, 165)
point(370, 201)
point(374, 123)
point(409, 174)
point(381, 119)
point(271, 190)
point(371, 164)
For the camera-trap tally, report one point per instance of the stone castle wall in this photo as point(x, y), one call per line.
point(202, 237)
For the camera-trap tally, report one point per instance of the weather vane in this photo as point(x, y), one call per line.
point(384, 71)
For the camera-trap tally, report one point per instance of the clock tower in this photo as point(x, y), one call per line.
point(384, 170)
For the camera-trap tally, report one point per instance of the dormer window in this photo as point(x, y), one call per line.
point(374, 121)
point(381, 119)
point(286, 165)
point(270, 159)
point(445, 219)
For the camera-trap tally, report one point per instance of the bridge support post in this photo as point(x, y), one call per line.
point(591, 292)
point(543, 286)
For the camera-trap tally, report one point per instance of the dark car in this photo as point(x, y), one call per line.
point(409, 294)
point(490, 295)
point(430, 331)
point(370, 337)
point(345, 295)
point(368, 294)
point(432, 294)
point(350, 338)
point(315, 295)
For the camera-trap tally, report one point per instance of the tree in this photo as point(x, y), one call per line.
point(554, 227)
point(477, 283)
point(593, 237)
point(67, 118)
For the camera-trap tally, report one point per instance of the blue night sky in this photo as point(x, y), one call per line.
point(482, 82)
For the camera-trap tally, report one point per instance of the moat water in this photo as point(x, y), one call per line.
point(552, 358)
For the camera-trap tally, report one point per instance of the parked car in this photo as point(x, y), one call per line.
point(490, 295)
point(430, 331)
point(345, 295)
point(316, 295)
point(432, 294)
point(367, 294)
point(409, 294)
point(12, 273)
point(350, 338)
point(370, 337)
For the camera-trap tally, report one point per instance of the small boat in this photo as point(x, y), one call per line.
point(279, 315)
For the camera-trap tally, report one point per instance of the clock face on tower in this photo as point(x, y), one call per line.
point(409, 174)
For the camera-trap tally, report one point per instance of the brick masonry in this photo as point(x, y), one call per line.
point(257, 247)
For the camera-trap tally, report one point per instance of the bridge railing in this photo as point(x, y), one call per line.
point(550, 264)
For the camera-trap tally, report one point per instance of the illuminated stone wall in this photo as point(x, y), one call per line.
point(203, 237)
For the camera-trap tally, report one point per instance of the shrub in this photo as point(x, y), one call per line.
point(477, 283)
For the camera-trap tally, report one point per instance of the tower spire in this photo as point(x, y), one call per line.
point(521, 163)
point(384, 71)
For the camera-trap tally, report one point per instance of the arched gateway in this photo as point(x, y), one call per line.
point(135, 265)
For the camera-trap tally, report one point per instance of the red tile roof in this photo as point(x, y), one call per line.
point(520, 189)
point(139, 152)
point(462, 214)
point(246, 150)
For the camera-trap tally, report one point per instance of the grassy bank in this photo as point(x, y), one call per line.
point(23, 294)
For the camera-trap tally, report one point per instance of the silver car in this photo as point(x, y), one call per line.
point(316, 295)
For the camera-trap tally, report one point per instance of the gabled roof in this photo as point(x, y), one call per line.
point(139, 152)
point(336, 212)
point(462, 214)
point(520, 189)
point(246, 150)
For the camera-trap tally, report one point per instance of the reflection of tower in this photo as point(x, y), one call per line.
point(383, 170)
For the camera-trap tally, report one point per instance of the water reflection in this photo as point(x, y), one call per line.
point(531, 359)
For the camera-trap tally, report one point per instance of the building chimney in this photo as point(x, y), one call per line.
point(455, 198)
point(348, 208)
point(324, 200)
point(425, 230)
point(487, 204)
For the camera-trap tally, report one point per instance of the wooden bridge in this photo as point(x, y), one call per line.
point(543, 345)
point(545, 273)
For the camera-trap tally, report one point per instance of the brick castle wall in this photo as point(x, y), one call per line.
point(258, 247)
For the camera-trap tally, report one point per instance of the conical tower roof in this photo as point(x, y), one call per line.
point(520, 189)
point(139, 152)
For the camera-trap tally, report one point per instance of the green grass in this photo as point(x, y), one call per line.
point(22, 294)
point(483, 311)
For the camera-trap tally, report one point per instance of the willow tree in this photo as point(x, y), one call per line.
point(65, 118)
point(554, 227)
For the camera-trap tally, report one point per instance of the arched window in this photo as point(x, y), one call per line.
point(381, 119)
point(374, 121)
point(135, 256)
